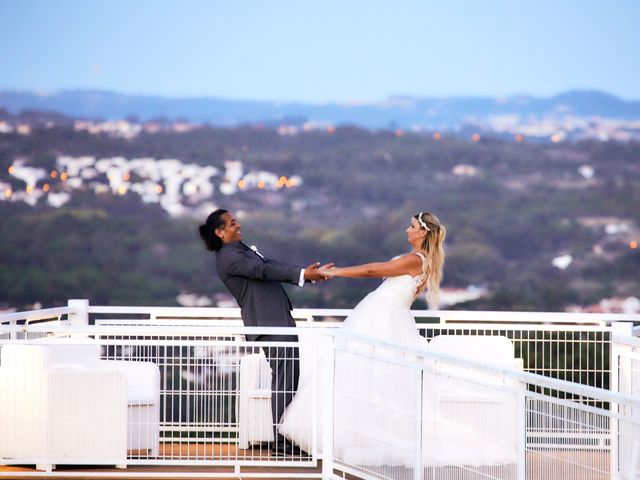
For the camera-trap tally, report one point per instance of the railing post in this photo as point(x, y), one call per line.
point(618, 329)
point(620, 374)
point(14, 335)
point(521, 399)
point(417, 473)
point(80, 314)
point(328, 384)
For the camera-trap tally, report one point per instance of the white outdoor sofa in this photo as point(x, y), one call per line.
point(61, 404)
point(255, 420)
point(471, 416)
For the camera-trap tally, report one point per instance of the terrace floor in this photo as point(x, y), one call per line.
point(539, 465)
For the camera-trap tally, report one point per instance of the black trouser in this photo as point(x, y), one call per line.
point(285, 372)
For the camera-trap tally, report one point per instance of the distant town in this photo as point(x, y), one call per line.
point(181, 189)
point(518, 128)
point(480, 153)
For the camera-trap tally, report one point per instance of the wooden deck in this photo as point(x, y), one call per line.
point(568, 465)
point(159, 472)
point(180, 452)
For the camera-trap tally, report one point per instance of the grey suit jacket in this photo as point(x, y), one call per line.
point(255, 283)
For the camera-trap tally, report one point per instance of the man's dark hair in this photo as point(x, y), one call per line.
point(208, 230)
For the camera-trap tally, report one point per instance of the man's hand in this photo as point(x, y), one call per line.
point(314, 272)
point(329, 270)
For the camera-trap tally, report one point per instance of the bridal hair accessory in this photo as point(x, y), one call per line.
point(255, 250)
point(422, 224)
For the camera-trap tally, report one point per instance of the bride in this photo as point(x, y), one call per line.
point(374, 411)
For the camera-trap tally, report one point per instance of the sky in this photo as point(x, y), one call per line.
point(322, 51)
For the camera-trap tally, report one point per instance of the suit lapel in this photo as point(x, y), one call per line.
point(246, 247)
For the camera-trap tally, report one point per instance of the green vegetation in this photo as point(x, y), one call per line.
point(525, 205)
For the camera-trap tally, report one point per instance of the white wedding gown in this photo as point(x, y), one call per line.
point(375, 398)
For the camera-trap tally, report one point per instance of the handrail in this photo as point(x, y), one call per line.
point(309, 314)
point(627, 341)
point(168, 330)
point(536, 317)
point(187, 312)
point(444, 316)
point(41, 314)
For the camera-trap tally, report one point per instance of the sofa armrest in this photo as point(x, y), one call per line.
point(143, 379)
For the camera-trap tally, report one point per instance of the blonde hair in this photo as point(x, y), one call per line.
point(433, 250)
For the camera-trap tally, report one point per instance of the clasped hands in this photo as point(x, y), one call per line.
point(317, 273)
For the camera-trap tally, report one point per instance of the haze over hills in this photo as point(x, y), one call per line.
point(395, 112)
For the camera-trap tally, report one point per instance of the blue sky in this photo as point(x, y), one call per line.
point(322, 51)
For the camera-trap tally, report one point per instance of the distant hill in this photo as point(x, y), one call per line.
point(395, 112)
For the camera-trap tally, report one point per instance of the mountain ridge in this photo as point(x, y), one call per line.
point(398, 111)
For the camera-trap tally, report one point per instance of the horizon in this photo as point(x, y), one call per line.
point(52, 92)
point(334, 53)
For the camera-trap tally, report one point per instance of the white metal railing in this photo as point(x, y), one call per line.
point(568, 346)
point(81, 309)
point(24, 319)
point(198, 353)
point(478, 437)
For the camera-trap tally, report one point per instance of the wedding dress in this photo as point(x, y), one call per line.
point(375, 406)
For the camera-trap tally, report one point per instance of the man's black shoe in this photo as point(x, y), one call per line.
point(278, 453)
point(288, 449)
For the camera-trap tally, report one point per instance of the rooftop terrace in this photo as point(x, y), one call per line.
point(96, 391)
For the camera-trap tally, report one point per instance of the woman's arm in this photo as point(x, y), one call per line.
point(406, 265)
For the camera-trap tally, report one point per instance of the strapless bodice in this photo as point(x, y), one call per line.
point(402, 289)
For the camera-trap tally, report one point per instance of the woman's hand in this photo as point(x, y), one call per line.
point(329, 270)
point(404, 265)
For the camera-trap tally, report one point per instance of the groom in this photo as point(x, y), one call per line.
point(255, 282)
